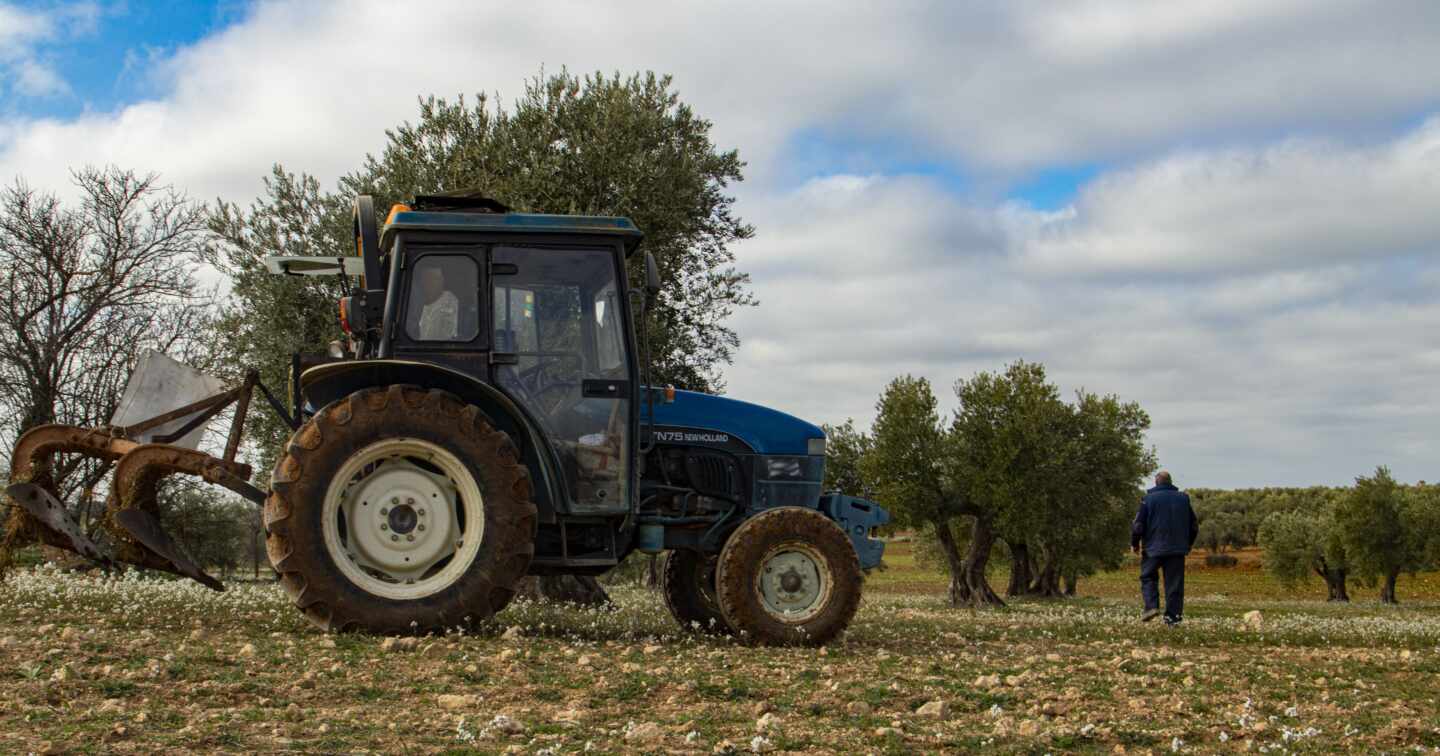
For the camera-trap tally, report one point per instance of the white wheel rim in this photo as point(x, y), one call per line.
point(403, 519)
point(793, 582)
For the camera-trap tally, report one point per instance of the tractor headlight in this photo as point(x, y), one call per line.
point(815, 447)
point(784, 468)
point(807, 469)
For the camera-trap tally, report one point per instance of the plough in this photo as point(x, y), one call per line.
point(140, 455)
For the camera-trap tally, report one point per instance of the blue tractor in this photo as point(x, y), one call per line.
point(489, 419)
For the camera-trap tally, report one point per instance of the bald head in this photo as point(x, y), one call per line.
point(1162, 478)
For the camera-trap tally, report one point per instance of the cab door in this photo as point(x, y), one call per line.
point(560, 350)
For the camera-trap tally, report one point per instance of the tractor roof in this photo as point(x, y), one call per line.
point(422, 220)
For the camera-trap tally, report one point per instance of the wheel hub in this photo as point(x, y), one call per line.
point(403, 518)
point(793, 583)
point(388, 532)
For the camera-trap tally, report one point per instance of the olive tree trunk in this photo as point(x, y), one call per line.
point(1020, 574)
point(968, 585)
point(1387, 589)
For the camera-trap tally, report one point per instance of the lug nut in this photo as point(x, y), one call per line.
point(419, 527)
point(421, 513)
point(409, 537)
point(383, 526)
point(409, 501)
point(384, 511)
point(394, 537)
point(395, 500)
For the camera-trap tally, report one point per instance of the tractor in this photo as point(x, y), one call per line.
point(486, 417)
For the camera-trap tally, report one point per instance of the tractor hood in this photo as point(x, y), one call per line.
point(764, 430)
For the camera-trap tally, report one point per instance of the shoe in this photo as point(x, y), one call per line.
point(1149, 614)
point(1172, 621)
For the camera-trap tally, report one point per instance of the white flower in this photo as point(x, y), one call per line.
point(1224, 736)
point(995, 710)
point(1176, 744)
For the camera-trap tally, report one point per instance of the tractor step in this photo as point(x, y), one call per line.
point(146, 531)
point(62, 529)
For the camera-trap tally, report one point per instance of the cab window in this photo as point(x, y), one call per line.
point(443, 299)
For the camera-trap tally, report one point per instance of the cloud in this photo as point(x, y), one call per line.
point(998, 89)
point(1283, 207)
point(1258, 273)
point(36, 79)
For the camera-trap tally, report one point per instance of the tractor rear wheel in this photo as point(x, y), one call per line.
point(788, 576)
point(400, 510)
point(688, 582)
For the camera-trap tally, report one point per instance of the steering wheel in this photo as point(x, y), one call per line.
point(539, 381)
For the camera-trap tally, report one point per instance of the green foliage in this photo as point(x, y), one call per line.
point(908, 452)
point(1056, 477)
point(1231, 519)
point(268, 317)
point(1373, 526)
point(845, 448)
point(1008, 451)
point(1298, 543)
point(1086, 518)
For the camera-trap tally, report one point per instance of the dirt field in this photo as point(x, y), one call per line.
point(146, 665)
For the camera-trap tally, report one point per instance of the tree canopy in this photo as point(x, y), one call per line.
point(1015, 463)
point(1386, 530)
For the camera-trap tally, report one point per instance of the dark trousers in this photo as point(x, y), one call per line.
point(1174, 569)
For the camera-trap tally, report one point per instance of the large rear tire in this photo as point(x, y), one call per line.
point(688, 582)
point(788, 576)
point(400, 510)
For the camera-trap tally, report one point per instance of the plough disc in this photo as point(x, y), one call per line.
point(145, 529)
point(50, 513)
point(132, 509)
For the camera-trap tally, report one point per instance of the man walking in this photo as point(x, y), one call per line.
point(1167, 527)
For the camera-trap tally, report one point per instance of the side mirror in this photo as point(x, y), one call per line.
point(652, 276)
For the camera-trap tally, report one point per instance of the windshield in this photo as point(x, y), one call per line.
point(559, 314)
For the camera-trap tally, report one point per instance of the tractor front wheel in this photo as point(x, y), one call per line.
point(688, 582)
point(788, 576)
point(400, 510)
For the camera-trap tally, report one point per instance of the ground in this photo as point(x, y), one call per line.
point(147, 664)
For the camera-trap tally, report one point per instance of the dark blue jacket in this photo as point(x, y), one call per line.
point(1166, 523)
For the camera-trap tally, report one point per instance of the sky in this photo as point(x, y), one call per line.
point(1226, 210)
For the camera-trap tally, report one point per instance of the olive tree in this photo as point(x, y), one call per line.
point(1298, 543)
point(1087, 507)
point(907, 463)
point(1384, 530)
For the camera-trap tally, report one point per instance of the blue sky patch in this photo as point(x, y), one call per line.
point(1054, 188)
point(109, 67)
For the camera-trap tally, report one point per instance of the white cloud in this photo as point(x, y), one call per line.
point(1293, 205)
point(36, 79)
point(1005, 87)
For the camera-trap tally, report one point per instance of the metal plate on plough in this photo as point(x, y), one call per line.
point(51, 513)
point(146, 530)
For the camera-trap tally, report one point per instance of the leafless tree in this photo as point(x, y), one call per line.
point(88, 285)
